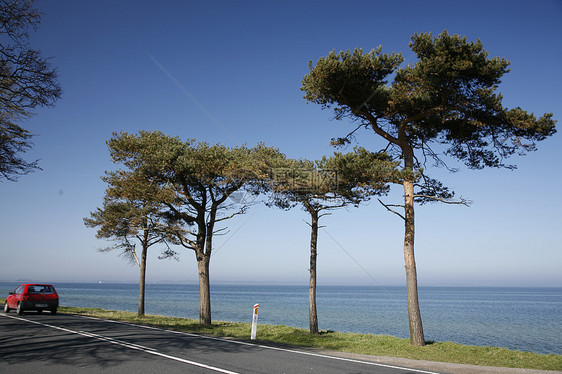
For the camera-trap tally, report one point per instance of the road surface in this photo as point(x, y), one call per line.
point(41, 343)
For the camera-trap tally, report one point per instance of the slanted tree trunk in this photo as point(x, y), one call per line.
point(142, 280)
point(205, 239)
point(312, 311)
point(204, 290)
point(202, 247)
point(414, 315)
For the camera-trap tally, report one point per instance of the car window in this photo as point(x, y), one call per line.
point(18, 290)
point(40, 289)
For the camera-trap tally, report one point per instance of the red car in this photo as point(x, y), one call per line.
point(37, 297)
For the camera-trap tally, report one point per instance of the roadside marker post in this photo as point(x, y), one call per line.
point(255, 322)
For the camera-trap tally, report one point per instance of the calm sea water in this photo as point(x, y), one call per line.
point(527, 319)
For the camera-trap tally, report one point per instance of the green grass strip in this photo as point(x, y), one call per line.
point(367, 344)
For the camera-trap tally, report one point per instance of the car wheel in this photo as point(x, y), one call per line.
point(54, 311)
point(6, 308)
point(20, 309)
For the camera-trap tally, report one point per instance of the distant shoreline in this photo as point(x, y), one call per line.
point(282, 284)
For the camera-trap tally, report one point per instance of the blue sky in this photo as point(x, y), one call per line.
point(230, 72)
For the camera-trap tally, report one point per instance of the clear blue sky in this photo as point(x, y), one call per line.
point(230, 72)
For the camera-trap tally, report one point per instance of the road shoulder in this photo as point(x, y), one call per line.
point(441, 367)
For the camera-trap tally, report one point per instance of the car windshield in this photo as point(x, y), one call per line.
point(40, 289)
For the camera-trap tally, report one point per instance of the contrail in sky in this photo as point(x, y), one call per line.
point(188, 94)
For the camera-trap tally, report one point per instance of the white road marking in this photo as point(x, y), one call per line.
point(126, 344)
point(269, 347)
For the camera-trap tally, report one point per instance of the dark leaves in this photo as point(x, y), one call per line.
point(448, 96)
point(27, 81)
point(14, 141)
point(332, 182)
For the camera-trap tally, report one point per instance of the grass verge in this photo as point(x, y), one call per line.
point(376, 345)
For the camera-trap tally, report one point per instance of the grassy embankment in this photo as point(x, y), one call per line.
point(377, 345)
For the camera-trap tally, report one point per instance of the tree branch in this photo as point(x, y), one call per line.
point(134, 254)
point(220, 231)
point(186, 217)
point(390, 210)
point(379, 131)
point(241, 211)
point(462, 201)
point(348, 137)
point(189, 244)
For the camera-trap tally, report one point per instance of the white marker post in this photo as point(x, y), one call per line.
point(255, 321)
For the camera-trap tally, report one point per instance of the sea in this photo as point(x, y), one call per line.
point(525, 319)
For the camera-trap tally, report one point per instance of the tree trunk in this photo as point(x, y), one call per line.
point(414, 316)
point(142, 280)
point(204, 290)
point(312, 312)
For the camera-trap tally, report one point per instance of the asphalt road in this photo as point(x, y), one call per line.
point(41, 343)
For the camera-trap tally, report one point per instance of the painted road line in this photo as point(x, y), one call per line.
point(312, 354)
point(127, 345)
point(116, 341)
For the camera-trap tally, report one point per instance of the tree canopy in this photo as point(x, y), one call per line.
point(331, 182)
point(27, 81)
point(131, 207)
point(447, 97)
